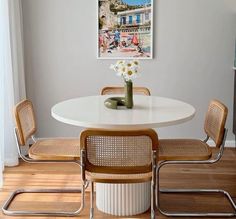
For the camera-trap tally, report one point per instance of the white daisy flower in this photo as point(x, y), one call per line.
point(127, 70)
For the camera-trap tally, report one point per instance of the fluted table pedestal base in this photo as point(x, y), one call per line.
point(123, 199)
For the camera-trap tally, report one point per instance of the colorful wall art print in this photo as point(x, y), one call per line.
point(125, 29)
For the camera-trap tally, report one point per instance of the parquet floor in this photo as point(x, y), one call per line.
point(221, 175)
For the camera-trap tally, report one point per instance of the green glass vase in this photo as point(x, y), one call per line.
point(129, 94)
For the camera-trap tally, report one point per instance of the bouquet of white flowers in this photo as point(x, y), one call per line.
point(126, 69)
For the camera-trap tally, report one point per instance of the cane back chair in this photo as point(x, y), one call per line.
point(41, 151)
point(120, 90)
point(193, 151)
point(119, 157)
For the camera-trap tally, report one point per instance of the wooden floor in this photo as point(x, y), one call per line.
point(221, 175)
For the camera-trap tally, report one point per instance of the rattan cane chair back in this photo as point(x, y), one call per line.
point(215, 121)
point(120, 90)
point(25, 121)
point(119, 157)
point(195, 151)
point(42, 151)
point(118, 152)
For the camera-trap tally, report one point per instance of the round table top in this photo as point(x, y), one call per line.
point(148, 112)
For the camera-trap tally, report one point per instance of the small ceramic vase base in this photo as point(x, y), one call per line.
point(114, 102)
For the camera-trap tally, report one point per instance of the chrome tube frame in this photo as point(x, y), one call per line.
point(92, 201)
point(6, 205)
point(29, 160)
point(33, 138)
point(153, 184)
point(8, 202)
point(195, 214)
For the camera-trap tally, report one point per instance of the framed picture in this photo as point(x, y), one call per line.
point(125, 29)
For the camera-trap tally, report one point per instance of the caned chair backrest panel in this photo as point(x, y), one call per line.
point(120, 90)
point(25, 121)
point(215, 121)
point(119, 152)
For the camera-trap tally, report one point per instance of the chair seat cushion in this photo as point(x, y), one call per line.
point(184, 149)
point(119, 178)
point(55, 149)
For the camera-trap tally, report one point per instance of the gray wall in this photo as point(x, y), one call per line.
point(193, 58)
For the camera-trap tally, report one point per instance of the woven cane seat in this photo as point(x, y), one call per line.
point(55, 149)
point(119, 178)
point(184, 149)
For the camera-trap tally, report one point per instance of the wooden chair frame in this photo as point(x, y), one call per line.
point(220, 142)
point(26, 158)
point(120, 90)
point(151, 133)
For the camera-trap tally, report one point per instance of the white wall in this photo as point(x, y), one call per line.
point(193, 57)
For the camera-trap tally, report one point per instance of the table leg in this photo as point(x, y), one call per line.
point(123, 199)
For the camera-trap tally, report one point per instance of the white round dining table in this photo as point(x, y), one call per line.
point(148, 112)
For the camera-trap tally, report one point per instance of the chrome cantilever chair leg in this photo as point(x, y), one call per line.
point(153, 186)
point(26, 132)
point(6, 205)
point(201, 191)
point(42, 213)
point(92, 201)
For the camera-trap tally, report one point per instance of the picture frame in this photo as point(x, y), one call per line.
point(125, 29)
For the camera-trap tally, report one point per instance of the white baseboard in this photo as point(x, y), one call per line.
point(11, 162)
point(228, 143)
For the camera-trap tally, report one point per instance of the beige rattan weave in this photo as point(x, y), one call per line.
point(48, 149)
point(42, 151)
point(55, 149)
point(193, 149)
point(182, 149)
point(118, 152)
point(25, 121)
point(115, 151)
point(120, 90)
point(215, 121)
point(119, 157)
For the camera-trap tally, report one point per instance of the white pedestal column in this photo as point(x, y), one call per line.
point(123, 199)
